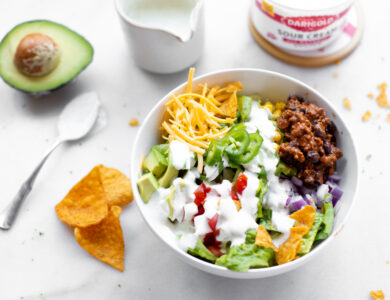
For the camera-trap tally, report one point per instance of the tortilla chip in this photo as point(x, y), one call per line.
point(289, 249)
point(382, 97)
point(116, 186)
point(86, 203)
point(104, 241)
point(377, 295)
point(304, 216)
point(263, 238)
point(229, 107)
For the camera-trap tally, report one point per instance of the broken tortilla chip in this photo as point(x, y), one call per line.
point(263, 238)
point(116, 186)
point(304, 216)
point(382, 97)
point(289, 249)
point(229, 106)
point(86, 203)
point(377, 295)
point(104, 241)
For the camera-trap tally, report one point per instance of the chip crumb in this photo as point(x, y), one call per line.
point(388, 261)
point(370, 95)
point(382, 97)
point(347, 103)
point(337, 62)
point(377, 295)
point(335, 75)
point(388, 118)
point(366, 116)
point(134, 122)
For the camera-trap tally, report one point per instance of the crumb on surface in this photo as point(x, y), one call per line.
point(347, 103)
point(388, 118)
point(335, 75)
point(388, 261)
point(382, 97)
point(367, 115)
point(370, 95)
point(134, 122)
point(377, 295)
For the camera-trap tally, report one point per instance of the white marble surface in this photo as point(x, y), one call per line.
point(52, 266)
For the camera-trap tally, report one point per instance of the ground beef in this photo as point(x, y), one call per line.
point(309, 141)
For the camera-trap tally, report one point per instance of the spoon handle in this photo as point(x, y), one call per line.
point(8, 215)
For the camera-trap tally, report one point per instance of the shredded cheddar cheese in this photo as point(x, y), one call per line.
point(199, 115)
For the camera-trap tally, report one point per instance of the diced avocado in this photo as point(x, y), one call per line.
point(66, 56)
point(170, 174)
point(155, 162)
point(147, 185)
point(170, 198)
point(162, 148)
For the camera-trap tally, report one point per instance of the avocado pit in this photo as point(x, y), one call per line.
point(37, 55)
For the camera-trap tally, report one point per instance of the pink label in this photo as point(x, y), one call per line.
point(304, 23)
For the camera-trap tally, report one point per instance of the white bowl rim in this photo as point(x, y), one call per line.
point(215, 269)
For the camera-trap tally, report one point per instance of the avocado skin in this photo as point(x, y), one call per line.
point(147, 185)
point(61, 84)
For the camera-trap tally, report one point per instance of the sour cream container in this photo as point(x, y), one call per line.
point(300, 25)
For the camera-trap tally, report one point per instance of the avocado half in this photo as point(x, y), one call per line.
point(76, 55)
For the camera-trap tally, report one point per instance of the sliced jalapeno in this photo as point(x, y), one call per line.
point(214, 153)
point(255, 141)
point(237, 142)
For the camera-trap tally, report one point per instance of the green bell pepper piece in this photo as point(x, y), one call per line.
point(282, 168)
point(245, 107)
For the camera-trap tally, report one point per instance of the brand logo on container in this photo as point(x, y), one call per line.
point(304, 23)
point(309, 23)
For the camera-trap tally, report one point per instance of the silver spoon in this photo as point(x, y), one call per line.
point(75, 121)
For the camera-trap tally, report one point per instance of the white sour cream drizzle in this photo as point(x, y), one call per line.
point(232, 224)
point(181, 155)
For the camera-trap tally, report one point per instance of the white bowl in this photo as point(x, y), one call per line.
point(275, 87)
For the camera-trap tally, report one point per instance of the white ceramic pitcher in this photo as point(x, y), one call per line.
point(165, 36)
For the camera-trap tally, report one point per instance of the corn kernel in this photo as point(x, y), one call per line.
point(276, 147)
point(280, 105)
point(277, 137)
point(277, 113)
point(270, 106)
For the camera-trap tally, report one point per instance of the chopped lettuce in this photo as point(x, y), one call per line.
point(308, 239)
point(327, 223)
point(262, 189)
point(266, 220)
point(248, 255)
point(201, 251)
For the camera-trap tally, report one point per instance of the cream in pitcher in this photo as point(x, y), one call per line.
point(165, 36)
